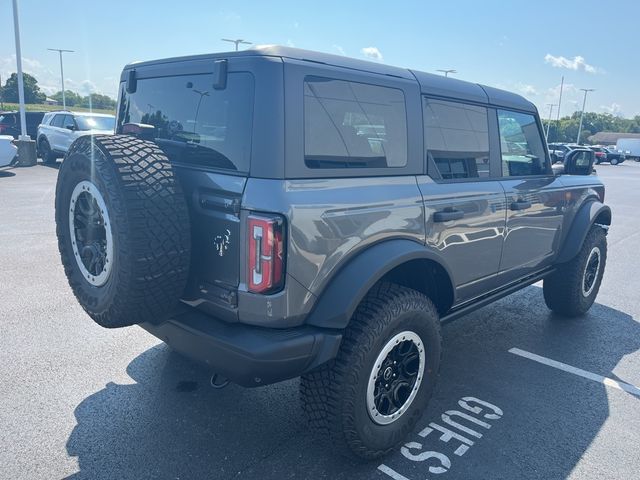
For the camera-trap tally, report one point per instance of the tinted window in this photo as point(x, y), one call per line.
point(353, 125)
point(95, 123)
point(457, 138)
point(521, 144)
point(193, 121)
point(8, 119)
point(57, 121)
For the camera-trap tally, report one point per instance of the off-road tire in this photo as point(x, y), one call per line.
point(334, 395)
point(149, 223)
point(563, 289)
point(45, 152)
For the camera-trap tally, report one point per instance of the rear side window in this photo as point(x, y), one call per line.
point(521, 145)
point(57, 121)
point(8, 119)
point(457, 138)
point(193, 122)
point(353, 125)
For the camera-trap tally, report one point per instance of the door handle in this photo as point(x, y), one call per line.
point(448, 214)
point(520, 205)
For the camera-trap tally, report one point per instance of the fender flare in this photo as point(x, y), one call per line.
point(582, 223)
point(346, 289)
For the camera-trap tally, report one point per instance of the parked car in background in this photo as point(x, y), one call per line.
point(7, 150)
point(10, 123)
point(59, 129)
point(604, 154)
point(557, 151)
point(630, 147)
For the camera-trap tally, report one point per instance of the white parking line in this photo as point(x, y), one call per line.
point(609, 382)
point(391, 472)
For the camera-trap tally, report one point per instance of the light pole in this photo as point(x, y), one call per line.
point(236, 42)
point(447, 71)
point(202, 94)
point(26, 146)
point(551, 105)
point(16, 29)
point(559, 103)
point(585, 90)
point(60, 50)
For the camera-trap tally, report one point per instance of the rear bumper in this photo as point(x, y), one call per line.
point(247, 355)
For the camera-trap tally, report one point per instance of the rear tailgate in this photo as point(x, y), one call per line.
point(214, 205)
point(206, 131)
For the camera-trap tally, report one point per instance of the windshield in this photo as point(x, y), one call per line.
point(95, 123)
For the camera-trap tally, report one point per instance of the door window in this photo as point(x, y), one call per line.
point(457, 138)
point(68, 122)
point(521, 145)
point(353, 125)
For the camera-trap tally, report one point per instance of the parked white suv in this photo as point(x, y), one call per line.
point(58, 130)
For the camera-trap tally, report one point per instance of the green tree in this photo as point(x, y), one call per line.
point(96, 100)
point(70, 98)
point(566, 129)
point(32, 93)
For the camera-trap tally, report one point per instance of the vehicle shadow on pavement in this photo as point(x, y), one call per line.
point(172, 424)
point(6, 173)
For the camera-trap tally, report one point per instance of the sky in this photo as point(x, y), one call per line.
point(522, 46)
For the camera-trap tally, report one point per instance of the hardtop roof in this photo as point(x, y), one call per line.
point(430, 84)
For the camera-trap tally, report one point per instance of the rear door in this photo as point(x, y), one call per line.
point(463, 197)
point(535, 197)
point(68, 133)
point(54, 130)
point(207, 134)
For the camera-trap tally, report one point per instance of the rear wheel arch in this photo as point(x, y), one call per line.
point(427, 276)
point(400, 261)
point(591, 213)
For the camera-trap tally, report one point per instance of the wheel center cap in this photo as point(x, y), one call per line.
point(387, 373)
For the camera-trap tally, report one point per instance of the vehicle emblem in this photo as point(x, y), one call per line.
point(221, 242)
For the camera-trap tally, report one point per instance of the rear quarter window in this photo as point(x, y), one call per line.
point(353, 125)
point(192, 121)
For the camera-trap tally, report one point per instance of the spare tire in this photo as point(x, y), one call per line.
point(123, 229)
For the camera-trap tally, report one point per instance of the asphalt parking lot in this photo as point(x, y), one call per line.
point(82, 402)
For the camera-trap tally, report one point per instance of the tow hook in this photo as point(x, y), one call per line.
point(218, 381)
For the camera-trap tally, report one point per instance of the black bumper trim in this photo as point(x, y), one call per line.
point(247, 355)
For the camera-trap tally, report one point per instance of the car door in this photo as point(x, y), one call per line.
point(535, 196)
point(68, 133)
point(53, 131)
point(463, 197)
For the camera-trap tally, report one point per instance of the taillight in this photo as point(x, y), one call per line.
point(266, 253)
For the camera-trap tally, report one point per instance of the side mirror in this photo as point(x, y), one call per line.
point(579, 162)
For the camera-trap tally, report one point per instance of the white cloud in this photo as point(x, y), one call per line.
point(613, 109)
point(290, 43)
point(340, 50)
point(373, 53)
point(527, 89)
point(49, 81)
point(577, 63)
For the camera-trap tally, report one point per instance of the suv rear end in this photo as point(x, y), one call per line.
point(10, 123)
point(222, 127)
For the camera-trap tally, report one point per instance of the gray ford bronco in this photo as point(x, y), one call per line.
point(276, 213)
